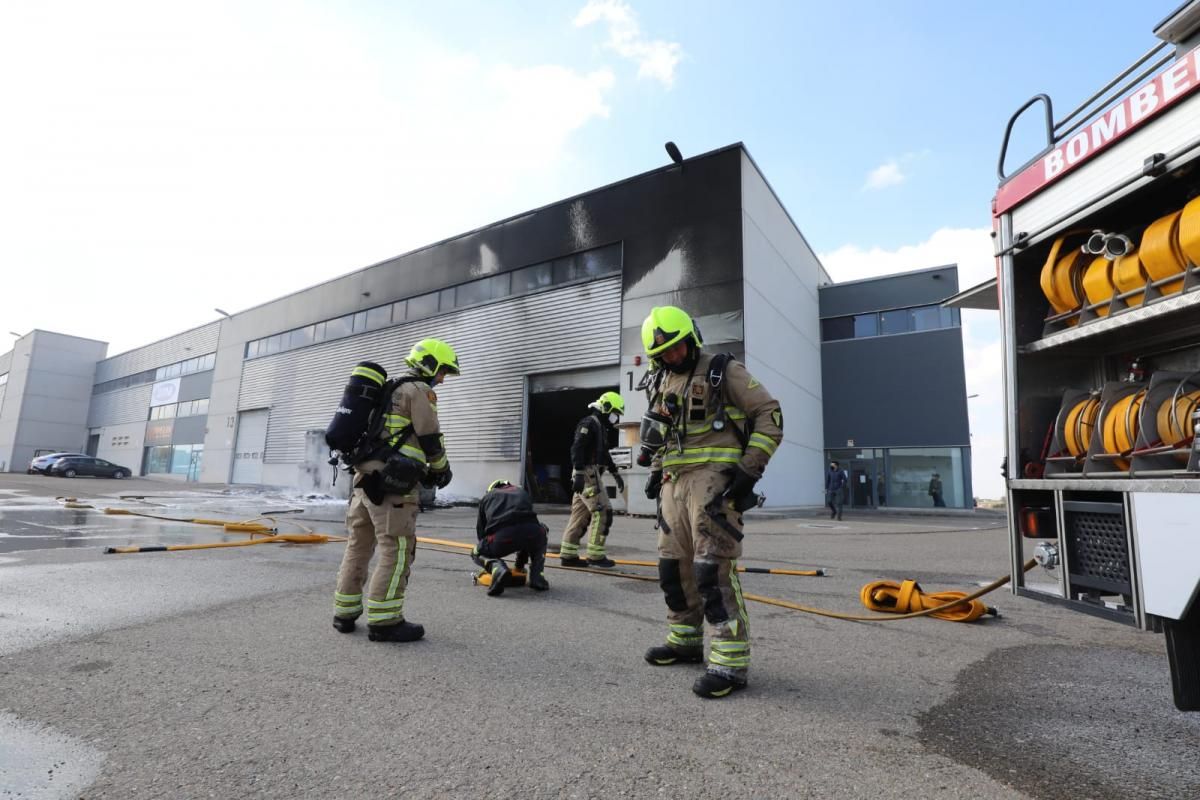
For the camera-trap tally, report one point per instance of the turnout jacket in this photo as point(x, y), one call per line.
point(411, 427)
point(501, 507)
point(590, 447)
point(692, 402)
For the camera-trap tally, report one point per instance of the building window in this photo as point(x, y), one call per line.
point(926, 318)
point(894, 321)
point(915, 472)
point(836, 328)
point(866, 325)
point(379, 317)
point(422, 306)
point(531, 279)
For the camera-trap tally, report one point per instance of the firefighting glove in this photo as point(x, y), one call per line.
point(442, 479)
point(577, 482)
point(654, 484)
point(741, 485)
point(620, 481)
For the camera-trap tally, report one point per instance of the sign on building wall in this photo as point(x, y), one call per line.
point(158, 431)
point(165, 392)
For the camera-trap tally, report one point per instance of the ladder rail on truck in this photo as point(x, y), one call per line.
point(1100, 325)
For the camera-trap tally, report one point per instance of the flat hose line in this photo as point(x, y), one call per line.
point(956, 608)
point(879, 596)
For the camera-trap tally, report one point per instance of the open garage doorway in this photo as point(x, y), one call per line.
point(553, 407)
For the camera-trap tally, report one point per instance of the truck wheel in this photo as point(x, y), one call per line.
point(1183, 653)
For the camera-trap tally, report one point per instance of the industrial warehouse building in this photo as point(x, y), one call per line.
point(544, 310)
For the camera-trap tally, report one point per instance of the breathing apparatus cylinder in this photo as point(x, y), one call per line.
point(653, 435)
point(360, 397)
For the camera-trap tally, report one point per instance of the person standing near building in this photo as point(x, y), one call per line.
point(714, 427)
point(591, 510)
point(835, 484)
point(935, 491)
point(383, 503)
point(507, 524)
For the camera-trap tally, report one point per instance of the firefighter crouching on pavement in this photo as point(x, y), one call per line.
point(711, 444)
point(591, 510)
point(384, 501)
point(507, 524)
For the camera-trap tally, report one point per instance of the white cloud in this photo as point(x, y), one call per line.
point(160, 161)
point(655, 58)
point(886, 174)
point(971, 250)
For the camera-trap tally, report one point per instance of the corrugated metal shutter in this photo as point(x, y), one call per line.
point(480, 410)
point(196, 342)
point(123, 405)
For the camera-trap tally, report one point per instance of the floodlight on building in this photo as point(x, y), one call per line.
point(223, 313)
point(673, 152)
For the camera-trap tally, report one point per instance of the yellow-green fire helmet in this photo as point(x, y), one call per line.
point(609, 403)
point(429, 355)
point(665, 327)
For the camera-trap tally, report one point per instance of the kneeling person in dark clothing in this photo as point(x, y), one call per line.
point(507, 525)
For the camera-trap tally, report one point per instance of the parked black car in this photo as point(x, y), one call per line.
point(42, 463)
point(72, 466)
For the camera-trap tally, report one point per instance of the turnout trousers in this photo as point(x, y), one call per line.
point(591, 513)
point(697, 569)
point(390, 528)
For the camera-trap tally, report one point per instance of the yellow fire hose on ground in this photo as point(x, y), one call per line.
point(808, 573)
point(903, 600)
point(266, 534)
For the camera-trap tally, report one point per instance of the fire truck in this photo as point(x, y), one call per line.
point(1098, 241)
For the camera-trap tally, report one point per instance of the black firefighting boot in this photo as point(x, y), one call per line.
point(500, 575)
point(344, 624)
point(712, 685)
point(572, 561)
point(664, 655)
point(403, 632)
point(537, 577)
point(601, 563)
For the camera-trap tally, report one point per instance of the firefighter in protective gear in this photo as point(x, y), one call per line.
point(507, 524)
point(724, 427)
point(591, 510)
point(384, 503)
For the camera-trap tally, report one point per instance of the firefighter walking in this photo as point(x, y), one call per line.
point(712, 427)
point(591, 511)
point(409, 450)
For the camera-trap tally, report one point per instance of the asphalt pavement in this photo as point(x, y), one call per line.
point(217, 673)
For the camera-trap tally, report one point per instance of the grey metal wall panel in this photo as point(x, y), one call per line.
point(124, 405)
point(189, 430)
point(907, 390)
point(480, 411)
point(195, 387)
point(5, 362)
point(923, 287)
point(189, 344)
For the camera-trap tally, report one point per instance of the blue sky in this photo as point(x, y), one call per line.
point(247, 149)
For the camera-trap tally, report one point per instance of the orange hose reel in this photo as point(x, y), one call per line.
point(1119, 429)
point(1080, 421)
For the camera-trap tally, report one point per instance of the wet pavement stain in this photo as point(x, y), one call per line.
point(1058, 724)
point(37, 763)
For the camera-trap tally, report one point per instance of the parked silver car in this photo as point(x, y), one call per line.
point(42, 463)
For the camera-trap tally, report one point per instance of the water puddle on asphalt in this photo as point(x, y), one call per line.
point(39, 764)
